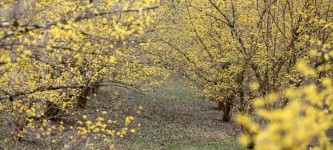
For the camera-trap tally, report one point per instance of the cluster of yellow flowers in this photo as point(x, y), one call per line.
point(103, 129)
point(302, 122)
point(297, 117)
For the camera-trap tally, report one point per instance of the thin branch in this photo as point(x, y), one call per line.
point(197, 34)
point(177, 49)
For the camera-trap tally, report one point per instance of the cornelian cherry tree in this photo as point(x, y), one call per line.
point(226, 47)
point(55, 54)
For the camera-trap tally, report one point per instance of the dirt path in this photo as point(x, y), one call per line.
point(175, 118)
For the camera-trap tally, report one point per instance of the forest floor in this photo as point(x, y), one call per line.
point(173, 117)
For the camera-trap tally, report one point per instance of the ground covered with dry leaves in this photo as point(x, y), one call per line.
point(171, 117)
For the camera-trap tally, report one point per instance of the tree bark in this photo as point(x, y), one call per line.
point(220, 106)
point(83, 98)
point(52, 110)
point(226, 107)
point(247, 132)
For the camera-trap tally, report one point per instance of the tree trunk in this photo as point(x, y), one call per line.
point(242, 102)
point(227, 112)
point(19, 124)
point(95, 89)
point(220, 106)
point(83, 98)
point(52, 111)
point(247, 132)
point(226, 107)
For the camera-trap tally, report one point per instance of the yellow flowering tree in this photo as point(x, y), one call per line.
point(55, 54)
point(302, 116)
point(304, 122)
point(223, 47)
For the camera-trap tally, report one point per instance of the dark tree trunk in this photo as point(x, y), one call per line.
point(95, 89)
point(220, 105)
point(86, 93)
point(227, 112)
point(226, 107)
point(247, 132)
point(83, 98)
point(250, 145)
point(242, 102)
point(19, 125)
point(52, 110)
